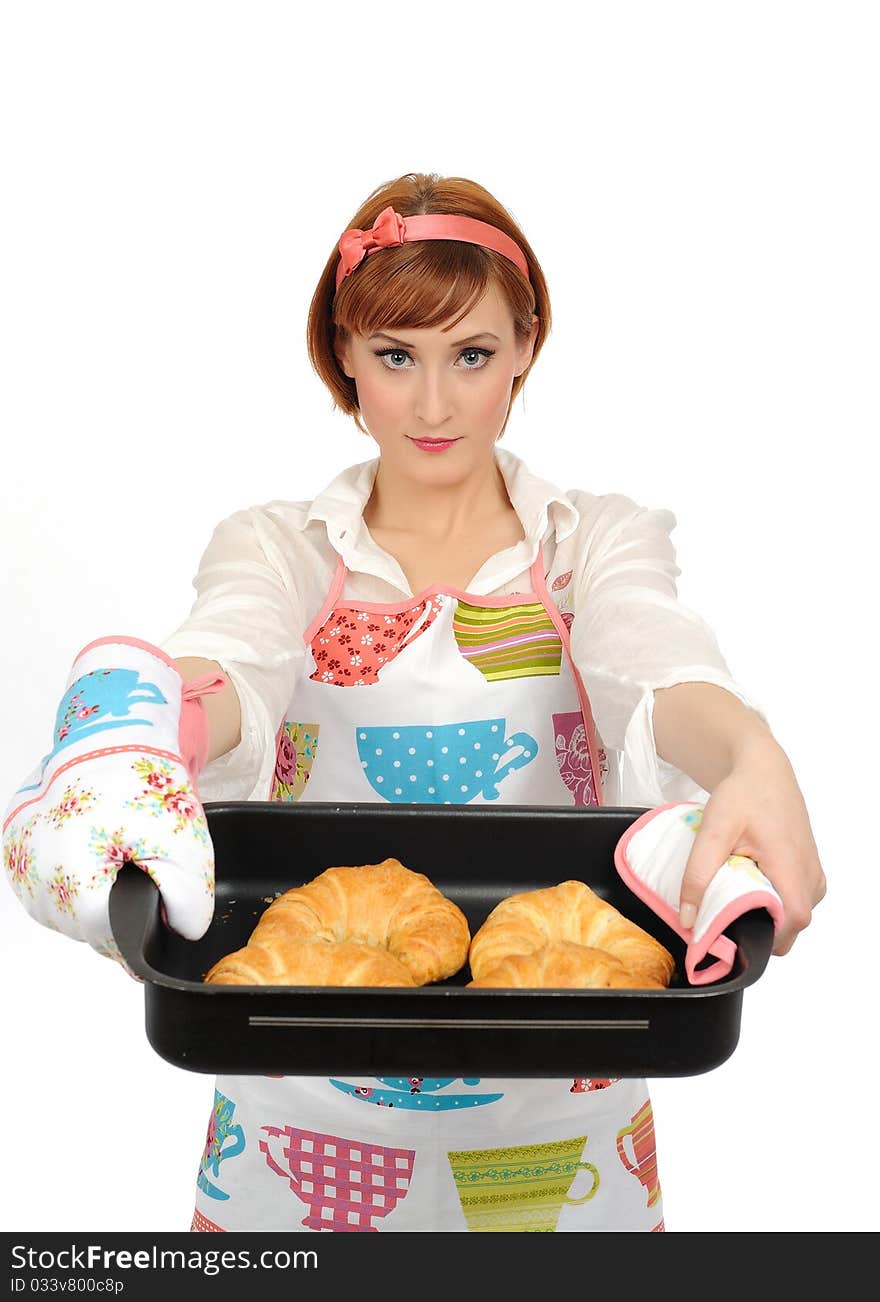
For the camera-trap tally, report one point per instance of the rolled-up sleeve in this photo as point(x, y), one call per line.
point(247, 617)
point(631, 636)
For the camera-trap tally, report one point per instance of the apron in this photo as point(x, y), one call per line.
point(447, 697)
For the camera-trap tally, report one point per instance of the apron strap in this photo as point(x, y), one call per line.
point(329, 601)
point(539, 585)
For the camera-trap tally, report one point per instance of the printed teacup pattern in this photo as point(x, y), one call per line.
point(96, 702)
point(346, 1183)
point(351, 646)
point(220, 1129)
point(417, 1093)
point(442, 764)
point(522, 1188)
point(100, 700)
point(295, 754)
point(640, 1133)
point(573, 757)
point(508, 641)
point(201, 1225)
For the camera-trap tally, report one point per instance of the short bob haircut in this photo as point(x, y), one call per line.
point(423, 283)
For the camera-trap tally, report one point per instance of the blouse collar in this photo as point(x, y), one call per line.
point(541, 506)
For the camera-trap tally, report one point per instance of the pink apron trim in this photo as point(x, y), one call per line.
point(329, 602)
point(552, 609)
point(539, 593)
point(384, 607)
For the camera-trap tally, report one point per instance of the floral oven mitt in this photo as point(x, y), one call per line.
point(118, 786)
point(652, 856)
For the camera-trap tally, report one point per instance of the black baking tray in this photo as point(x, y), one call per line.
point(475, 855)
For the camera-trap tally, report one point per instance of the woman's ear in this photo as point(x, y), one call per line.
point(527, 347)
point(342, 350)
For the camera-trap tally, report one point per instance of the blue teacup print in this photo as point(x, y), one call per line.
point(417, 1093)
point(441, 764)
point(96, 702)
point(220, 1128)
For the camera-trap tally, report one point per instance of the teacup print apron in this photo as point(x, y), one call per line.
point(447, 697)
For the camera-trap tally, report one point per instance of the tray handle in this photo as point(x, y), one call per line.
point(753, 934)
point(135, 904)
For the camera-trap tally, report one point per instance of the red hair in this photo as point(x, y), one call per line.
point(423, 283)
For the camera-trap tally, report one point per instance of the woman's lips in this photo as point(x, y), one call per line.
point(433, 445)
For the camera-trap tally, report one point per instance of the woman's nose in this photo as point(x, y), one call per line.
point(433, 398)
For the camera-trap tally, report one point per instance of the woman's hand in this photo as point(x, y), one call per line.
point(117, 786)
point(758, 810)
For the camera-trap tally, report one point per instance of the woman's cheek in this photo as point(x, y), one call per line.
point(493, 401)
point(378, 400)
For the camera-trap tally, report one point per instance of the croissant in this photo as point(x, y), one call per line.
point(321, 933)
point(523, 924)
point(564, 964)
point(311, 963)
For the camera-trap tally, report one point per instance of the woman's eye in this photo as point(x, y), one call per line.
point(394, 352)
point(474, 358)
point(476, 353)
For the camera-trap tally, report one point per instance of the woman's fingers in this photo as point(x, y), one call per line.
point(786, 856)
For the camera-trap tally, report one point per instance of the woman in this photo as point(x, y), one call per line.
point(449, 584)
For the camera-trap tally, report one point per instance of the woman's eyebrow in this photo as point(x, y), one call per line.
point(484, 334)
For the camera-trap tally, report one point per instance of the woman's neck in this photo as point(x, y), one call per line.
point(400, 504)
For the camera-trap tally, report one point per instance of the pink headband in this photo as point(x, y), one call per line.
point(390, 228)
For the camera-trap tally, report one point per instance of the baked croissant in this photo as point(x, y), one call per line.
point(311, 963)
point(563, 964)
point(523, 924)
point(316, 934)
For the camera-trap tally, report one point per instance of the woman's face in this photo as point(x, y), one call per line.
point(453, 386)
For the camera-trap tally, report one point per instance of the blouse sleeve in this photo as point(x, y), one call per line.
point(629, 638)
point(247, 617)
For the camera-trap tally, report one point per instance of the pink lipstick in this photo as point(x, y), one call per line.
point(434, 445)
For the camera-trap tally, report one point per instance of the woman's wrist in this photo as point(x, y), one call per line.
point(753, 742)
point(759, 752)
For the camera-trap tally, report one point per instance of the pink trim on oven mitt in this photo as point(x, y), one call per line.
point(651, 857)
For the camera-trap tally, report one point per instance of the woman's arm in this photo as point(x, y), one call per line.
point(756, 807)
point(246, 621)
point(222, 709)
point(701, 728)
point(652, 668)
point(632, 637)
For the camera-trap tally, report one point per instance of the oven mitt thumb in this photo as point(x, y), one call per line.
point(652, 856)
point(117, 786)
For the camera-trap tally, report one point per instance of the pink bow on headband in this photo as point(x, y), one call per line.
point(389, 228)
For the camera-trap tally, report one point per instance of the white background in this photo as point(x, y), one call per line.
point(700, 184)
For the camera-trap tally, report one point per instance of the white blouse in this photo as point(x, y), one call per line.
point(268, 569)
